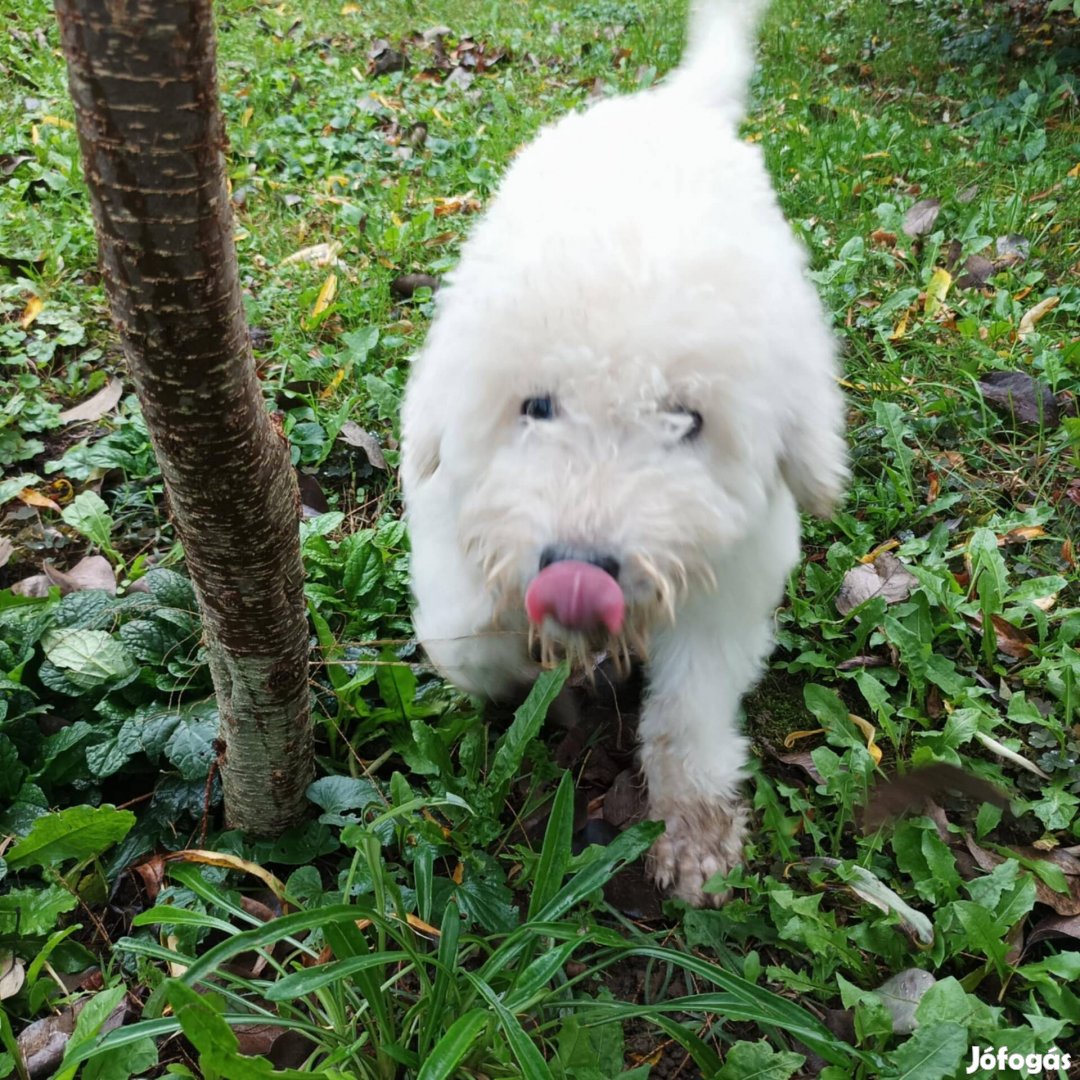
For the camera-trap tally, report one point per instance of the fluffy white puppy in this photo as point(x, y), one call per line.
point(628, 386)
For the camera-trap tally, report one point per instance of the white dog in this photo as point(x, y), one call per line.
point(627, 387)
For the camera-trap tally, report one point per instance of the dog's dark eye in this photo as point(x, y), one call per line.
point(696, 422)
point(539, 408)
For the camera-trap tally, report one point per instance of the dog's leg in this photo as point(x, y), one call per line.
point(691, 748)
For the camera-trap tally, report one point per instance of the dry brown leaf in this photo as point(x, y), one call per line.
point(1021, 535)
point(1011, 640)
point(6, 548)
point(1025, 398)
point(920, 218)
point(96, 406)
point(887, 577)
point(34, 498)
point(1065, 904)
point(12, 974)
point(229, 862)
point(1034, 314)
point(93, 572)
point(353, 434)
point(317, 255)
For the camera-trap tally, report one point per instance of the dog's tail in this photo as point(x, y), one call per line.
point(719, 56)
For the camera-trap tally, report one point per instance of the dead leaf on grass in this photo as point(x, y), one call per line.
point(625, 801)
point(353, 434)
point(96, 406)
point(42, 1043)
point(1003, 751)
point(937, 288)
point(804, 761)
point(977, 272)
point(229, 862)
point(901, 994)
point(1026, 399)
point(1021, 535)
point(32, 310)
point(1011, 249)
point(317, 255)
point(1066, 904)
point(6, 548)
point(1034, 314)
point(873, 890)
point(920, 218)
point(1055, 926)
point(886, 576)
point(1011, 640)
point(34, 498)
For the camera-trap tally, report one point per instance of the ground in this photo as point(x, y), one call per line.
point(929, 157)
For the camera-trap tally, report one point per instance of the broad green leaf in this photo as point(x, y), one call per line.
point(90, 658)
point(80, 832)
point(32, 912)
point(934, 1052)
point(759, 1061)
point(88, 515)
point(526, 725)
point(90, 1020)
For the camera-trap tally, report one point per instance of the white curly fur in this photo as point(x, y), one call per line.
point(634, 263)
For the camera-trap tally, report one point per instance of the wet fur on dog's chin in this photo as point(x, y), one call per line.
point(633, 273)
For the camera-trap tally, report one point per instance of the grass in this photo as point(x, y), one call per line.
point(431, 920)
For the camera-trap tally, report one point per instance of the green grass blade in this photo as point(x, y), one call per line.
point(555, 854)
point(309, 980)
point(531, 1061)
point(449, 1051)
point(526, 725)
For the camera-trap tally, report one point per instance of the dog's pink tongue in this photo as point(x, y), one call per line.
point(577, 595)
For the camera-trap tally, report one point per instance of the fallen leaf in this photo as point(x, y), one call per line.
point(92, 572)
point(1034, 314)
point(792, 737)
point(229, 862)
point(937, 289)
point(1012, 249)
point(977, 272)
point(874, 891)
point(31, 312)
point(12, 974)
point(456, 204)
point(624, 802)
point(1011, 640)
point(1054, 926)
point(920, 218)
point(325, 297)
point(1024, 397)
point(1003, 751)
point(6, 548)
point(900, 329)
point(312, 497)
point(870, 732)
point(901, 994)
point(887, 577)
point(317, 255)
point(804, 761)
point(96, 406)
point(1021, 535)
point(885, 239)
point(42, 1043)
point(353, 434)
point(36, 585)
point(34, 498)
point(1066, 904)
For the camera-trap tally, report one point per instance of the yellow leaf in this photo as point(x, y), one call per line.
point(900, 329)
point(246, 115)
point(334, 383)
point(1033, 315)
point(937, 288)
point(1021, 535)
point(870, 732)
point(35, 134)
point(316, 255)
point(229, 862)
point(794, 736)
point(1074, 171)
point(58, 121)
point(889, 545)
point(31, 312)
point(351, 9)
point(34, 498)
point(326, 296)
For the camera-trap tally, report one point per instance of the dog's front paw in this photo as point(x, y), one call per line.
point(701, 838)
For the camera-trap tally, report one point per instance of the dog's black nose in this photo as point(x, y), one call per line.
point(608, 563)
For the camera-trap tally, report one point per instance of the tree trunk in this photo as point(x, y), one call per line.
point(144, 81)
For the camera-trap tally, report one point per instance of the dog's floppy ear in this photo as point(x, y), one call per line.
point(814, 467)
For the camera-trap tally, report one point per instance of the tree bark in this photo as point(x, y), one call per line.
point(142, 74)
